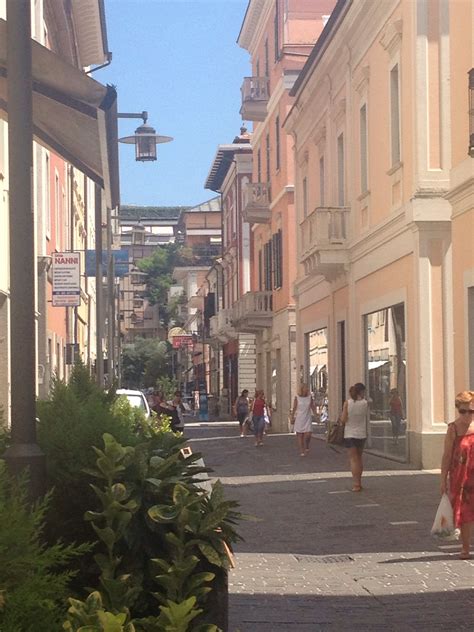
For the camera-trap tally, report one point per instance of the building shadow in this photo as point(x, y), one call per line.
point(400, 612)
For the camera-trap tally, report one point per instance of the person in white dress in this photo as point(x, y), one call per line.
point(355, 418)
point(302, 416)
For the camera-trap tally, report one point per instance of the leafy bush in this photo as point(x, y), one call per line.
point(71, 422)
point(164, 537)
point(33, 578)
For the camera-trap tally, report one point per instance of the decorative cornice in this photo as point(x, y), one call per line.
point(361, 80)
point(252, 20)
point(392, 37)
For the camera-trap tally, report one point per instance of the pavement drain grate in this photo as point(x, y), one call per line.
point(327, 559)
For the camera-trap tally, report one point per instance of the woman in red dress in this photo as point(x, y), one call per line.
point(458, 465)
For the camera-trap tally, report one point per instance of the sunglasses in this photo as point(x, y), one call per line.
point(465, 411)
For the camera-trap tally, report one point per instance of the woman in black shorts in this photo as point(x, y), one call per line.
point(354, 418)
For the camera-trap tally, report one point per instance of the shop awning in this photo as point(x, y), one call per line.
point(73, 115)
point(376, 364)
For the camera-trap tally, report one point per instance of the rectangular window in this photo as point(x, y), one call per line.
point(316, 364)
point(386, 371)
point(363, 149)
point(395, 114)
point(305, 197)
point(57, 212)
point(47, 196)
point(321, 182)
point(277, 246)
point(260, 270)
point(276, 34)
point(259, 165)
point(267, 63)
point(340, 170)
point(277, 142)
point(257, 68)
point(267, 249)
point(267, 151)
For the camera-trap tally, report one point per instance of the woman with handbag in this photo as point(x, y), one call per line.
point(354, 417)
point(302, 417)
point(457, 466)
point(257, 412)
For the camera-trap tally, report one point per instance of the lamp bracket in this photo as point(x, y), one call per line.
point(143, 115)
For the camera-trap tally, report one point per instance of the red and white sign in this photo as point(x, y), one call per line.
point(182, 341)
point(66, 279)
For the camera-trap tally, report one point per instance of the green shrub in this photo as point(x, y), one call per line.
point(34, 578)
point(71, 422)
point(164, 539)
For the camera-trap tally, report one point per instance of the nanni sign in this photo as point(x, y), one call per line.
point(66, 279)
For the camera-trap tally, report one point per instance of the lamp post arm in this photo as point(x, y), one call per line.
point(143, 115)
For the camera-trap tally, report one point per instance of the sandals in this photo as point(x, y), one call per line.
point(465, 555)
point(357, 488)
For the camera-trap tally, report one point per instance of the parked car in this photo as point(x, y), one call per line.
point(135, 398)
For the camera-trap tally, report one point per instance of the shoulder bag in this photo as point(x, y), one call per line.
point(336, 433)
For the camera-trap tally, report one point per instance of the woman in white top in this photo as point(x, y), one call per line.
point(354, 418)
point(301, 415)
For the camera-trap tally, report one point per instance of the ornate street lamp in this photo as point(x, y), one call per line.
point(145, 138)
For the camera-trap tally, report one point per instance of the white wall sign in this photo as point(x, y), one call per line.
point(66, 279)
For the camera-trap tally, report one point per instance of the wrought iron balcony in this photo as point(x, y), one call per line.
point(256, 208)
point(254, 98)
point(324, 236)
point(253, 312)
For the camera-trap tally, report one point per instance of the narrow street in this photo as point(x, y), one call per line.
point(323, 558)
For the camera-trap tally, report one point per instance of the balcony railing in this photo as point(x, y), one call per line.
point(256, 209)
point(253, 311)
point(254, 98)
point(324, 236)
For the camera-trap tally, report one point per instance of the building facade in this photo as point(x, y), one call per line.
point(199, 232)
point(233, 352)
point(67, 39)
point(279, 36)
point(384, 198)
point(142, 230)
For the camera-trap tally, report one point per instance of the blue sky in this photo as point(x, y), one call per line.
point(179, 60)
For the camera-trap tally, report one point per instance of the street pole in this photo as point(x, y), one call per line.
point(24, 451)
point(99, 298)
point(110, 302)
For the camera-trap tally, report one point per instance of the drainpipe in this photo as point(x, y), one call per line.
point(98, 287)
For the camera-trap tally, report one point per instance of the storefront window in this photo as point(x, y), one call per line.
point(317, 369)
point(386, 381)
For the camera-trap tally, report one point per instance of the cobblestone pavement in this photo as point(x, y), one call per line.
point(323, 558)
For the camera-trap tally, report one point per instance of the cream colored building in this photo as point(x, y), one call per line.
point(384, 208)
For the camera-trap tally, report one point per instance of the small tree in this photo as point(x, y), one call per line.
point(143, 361)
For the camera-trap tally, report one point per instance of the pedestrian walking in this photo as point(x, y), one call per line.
point(457, 468)
point(302, 417)
point(354, 417)
point(241, 410)
point(396, 413)
point(257, 410)
point(178, 408)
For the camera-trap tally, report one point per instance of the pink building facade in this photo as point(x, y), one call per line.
point(279, 36)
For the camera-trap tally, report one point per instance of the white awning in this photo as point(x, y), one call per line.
point(73, 115)
point(376, 364)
